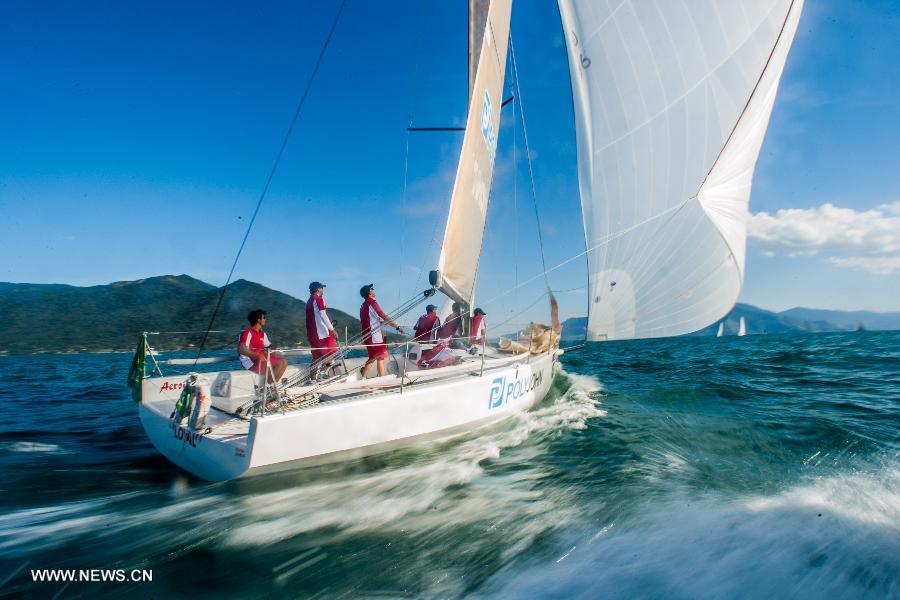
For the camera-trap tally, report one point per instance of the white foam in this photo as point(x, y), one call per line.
point(33, 447)
point(586, 383)
point(853, 496)
point(26, 531)
point(829, 537)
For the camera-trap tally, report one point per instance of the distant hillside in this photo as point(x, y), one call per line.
point(64, 318)
point(849, 319)
point(764, 321)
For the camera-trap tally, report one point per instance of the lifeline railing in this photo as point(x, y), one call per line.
point(260, 405)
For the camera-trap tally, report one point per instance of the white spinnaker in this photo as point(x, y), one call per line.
point(672, 100)
point(461, 249)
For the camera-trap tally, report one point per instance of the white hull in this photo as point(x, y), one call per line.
point(355, 419)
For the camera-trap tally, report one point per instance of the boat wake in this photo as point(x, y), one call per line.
point(432, 489)
point(422, 494)
point(836, 536)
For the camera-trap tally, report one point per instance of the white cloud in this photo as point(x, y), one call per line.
point(873, 236)
point(829, 227)
point(878, 265)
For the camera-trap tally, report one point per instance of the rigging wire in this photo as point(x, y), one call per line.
point(265, 189)
point(515, 204)
point(537, 215)
point(346, 347)
point(600, 243)
point(403, 213)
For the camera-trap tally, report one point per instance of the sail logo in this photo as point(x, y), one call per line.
point(503, 390)
point(487, 125)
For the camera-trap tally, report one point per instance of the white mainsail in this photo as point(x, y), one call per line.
point(721, 329)
point(460, 252)
point(672, 101)
point(742, 328)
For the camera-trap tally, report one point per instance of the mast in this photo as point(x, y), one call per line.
point(478, 12)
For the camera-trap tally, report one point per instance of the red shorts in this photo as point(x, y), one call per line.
point(260, 366)
point(376, 350)
point(323, 348)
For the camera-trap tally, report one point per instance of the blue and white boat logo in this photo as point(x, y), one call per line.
point(495, 398)
point(487, 127)
point(501, 391)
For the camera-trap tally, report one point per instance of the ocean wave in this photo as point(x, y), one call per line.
point(828, 537)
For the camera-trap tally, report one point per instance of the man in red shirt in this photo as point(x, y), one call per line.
point(427, 325)
point(371, 317)
point(321, 333)
point(252, 347)
point(452, 327)
point(479, 327)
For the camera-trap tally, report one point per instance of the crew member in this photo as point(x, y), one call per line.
point(321, 333)
point(479, 327)
point(427, 325)
point(372, 317)
point(452, 327)
point(252, 348)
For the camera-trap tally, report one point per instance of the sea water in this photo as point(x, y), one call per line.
point(756, 467)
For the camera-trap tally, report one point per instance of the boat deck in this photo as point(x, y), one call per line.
point(227, 427)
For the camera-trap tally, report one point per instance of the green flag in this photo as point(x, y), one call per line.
point(136, 373)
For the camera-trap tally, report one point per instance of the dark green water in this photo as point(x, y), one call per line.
point(756, 467)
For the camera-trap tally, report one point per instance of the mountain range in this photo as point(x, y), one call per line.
point(42, 318)
point(65, 318)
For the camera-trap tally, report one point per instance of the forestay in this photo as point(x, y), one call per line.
point(672, 101)
point(461, 249)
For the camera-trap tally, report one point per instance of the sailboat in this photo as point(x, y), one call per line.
point(742, 328)
point(671, 104)
point(721, 329)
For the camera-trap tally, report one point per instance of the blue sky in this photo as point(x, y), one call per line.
point(135, 139)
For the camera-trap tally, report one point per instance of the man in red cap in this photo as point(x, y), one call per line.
point(372, 317)
point(452, 327)
point(427, 325)
point(321, 333)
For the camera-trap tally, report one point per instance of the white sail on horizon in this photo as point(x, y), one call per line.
point(672, 101)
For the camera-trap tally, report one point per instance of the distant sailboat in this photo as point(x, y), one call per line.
point(721, 329)
point(742, 329)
